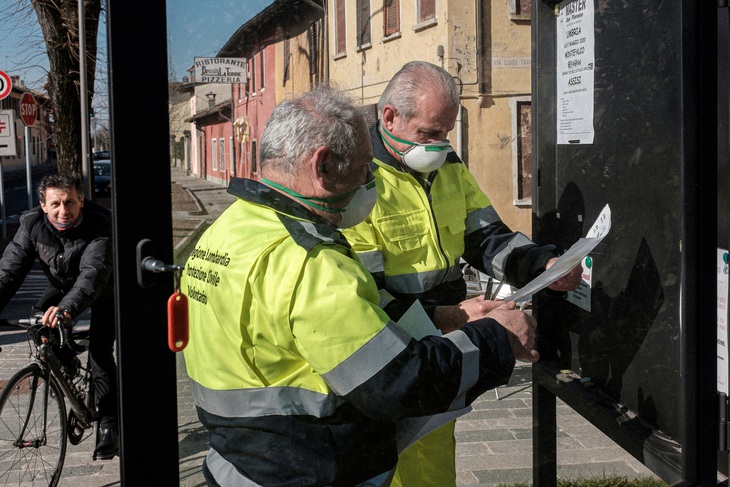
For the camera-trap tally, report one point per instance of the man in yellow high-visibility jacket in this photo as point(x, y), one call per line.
point(299, 376)
point(431, 213)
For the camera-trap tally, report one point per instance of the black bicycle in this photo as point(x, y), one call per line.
point(34, 425)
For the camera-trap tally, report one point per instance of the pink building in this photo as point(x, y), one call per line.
point(284, 49)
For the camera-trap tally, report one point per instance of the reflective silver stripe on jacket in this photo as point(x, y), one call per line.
point(421, 282)
point(385, 298)
point(226, 474)
point(469, 366)
point(265, 401)
point(499, 260)
point(291, 401)
point(480, 218)
point(372, 261)
point(312, 230)
point(369, 359)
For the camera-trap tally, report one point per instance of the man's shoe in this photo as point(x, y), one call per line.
point(108, 445)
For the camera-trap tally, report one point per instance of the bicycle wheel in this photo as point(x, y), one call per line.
point(32, 450)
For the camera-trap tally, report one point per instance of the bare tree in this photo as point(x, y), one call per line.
point(60, 26)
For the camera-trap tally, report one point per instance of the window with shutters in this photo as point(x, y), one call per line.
point(222, 147)
point(214, 154)
point(426, 10)
point(262, 71)
point(363, 23)
point(340, 28)
point(232, 155)
point(287, 59)
point(520, 10)
point(254, 160)
point(521, 109)
point(252, 71)
point(248, 78)
point(391, 17)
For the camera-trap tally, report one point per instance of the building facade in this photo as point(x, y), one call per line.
point(484, 45)
point(40, 145)
point(357, 46)
point(285, 51)
point(211, 131)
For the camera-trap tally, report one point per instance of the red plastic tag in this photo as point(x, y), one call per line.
point(177, 322)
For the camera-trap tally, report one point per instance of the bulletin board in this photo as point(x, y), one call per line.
point(625, 114)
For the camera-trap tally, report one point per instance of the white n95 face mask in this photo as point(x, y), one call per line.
point(421, 157)
point(361, 205)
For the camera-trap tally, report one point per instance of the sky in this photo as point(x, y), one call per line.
point(196, 28)
point(200, 28)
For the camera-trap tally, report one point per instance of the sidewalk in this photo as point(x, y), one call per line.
point(494, 441)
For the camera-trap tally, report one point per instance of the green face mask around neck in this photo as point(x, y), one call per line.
point(356, 210)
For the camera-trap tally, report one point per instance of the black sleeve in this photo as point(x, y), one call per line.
point(521, 265)
point(425, 378)
point(16, 263)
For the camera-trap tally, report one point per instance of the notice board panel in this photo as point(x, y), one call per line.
point(626, 77)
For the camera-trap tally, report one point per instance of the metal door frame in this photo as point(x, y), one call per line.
point(139, 120)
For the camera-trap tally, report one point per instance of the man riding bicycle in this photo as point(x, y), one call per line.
point(72, 239)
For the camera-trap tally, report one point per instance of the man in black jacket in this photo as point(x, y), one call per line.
point(72, 239)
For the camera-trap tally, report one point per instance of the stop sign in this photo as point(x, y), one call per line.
point(28, 109)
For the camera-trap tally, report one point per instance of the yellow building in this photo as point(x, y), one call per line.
point(301, 50)
point(485, 45)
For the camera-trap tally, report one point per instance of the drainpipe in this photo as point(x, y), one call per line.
point(478, 24)
point(480, 46)
point(459, 134)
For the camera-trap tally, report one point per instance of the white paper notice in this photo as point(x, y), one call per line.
point(722, 317)
point(575, 34)
point(582, 296)
point(570, 259)
point(416, 322)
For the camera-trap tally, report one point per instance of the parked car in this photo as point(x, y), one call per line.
point(102, 154)
point(102, 177)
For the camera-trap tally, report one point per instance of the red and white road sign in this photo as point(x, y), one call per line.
point(28, 109)
point(6, 85)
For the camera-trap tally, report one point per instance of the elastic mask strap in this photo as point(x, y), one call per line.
point(402, 141)
point(431, 147)
point(310, 200)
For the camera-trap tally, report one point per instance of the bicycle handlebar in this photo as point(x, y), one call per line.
point(65, 335)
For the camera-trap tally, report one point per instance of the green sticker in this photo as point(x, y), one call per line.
point(589, 262)
point(724, 257)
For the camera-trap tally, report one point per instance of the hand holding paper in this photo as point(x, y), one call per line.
point(568, 282)
point(570, 259)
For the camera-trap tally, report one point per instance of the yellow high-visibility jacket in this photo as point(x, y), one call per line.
point(421, 227)
point(297, 373)
point(412, 243)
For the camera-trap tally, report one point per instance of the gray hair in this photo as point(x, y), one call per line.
point(321, 117)
point(412, 81)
